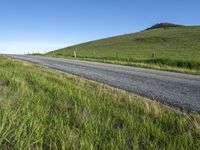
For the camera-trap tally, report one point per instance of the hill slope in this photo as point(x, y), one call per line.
point(171, 46)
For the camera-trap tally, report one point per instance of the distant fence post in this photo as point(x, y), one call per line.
point(153, 55)
point(74, 54)
point(93, 53)
point(117, 55)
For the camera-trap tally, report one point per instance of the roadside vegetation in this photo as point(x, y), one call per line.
point(163, 46)
point(42, 108)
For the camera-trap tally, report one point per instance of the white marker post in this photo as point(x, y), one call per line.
point(74, 54)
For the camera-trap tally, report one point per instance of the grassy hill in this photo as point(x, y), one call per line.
point(161, 47)
point(42, 108)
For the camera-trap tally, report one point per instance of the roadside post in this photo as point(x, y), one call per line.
point(94, 53)
point(117, 55)
point(74, 54)
point(153, 55)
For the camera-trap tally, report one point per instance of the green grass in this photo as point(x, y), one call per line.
point(45, 109)
point(175, 47)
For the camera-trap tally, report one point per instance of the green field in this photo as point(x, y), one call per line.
point(42, 108)
point(167, 48)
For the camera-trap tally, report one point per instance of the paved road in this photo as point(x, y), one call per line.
point(176, 89)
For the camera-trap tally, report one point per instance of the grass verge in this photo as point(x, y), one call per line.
point(158, 64)
point(45, 109)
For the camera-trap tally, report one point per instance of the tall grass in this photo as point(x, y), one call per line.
point(44, 109)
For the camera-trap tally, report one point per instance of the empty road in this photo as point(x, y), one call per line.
point(175, 89)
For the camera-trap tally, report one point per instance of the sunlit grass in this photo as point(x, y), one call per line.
point(177, 48)
point(46, 109)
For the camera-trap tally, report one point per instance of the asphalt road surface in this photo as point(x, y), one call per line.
point(175, 89)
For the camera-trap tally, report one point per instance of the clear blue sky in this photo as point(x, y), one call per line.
point(42, 25)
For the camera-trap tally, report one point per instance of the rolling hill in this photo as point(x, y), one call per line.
point(164, 45)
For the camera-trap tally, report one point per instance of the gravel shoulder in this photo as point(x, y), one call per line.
point(175, 89)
